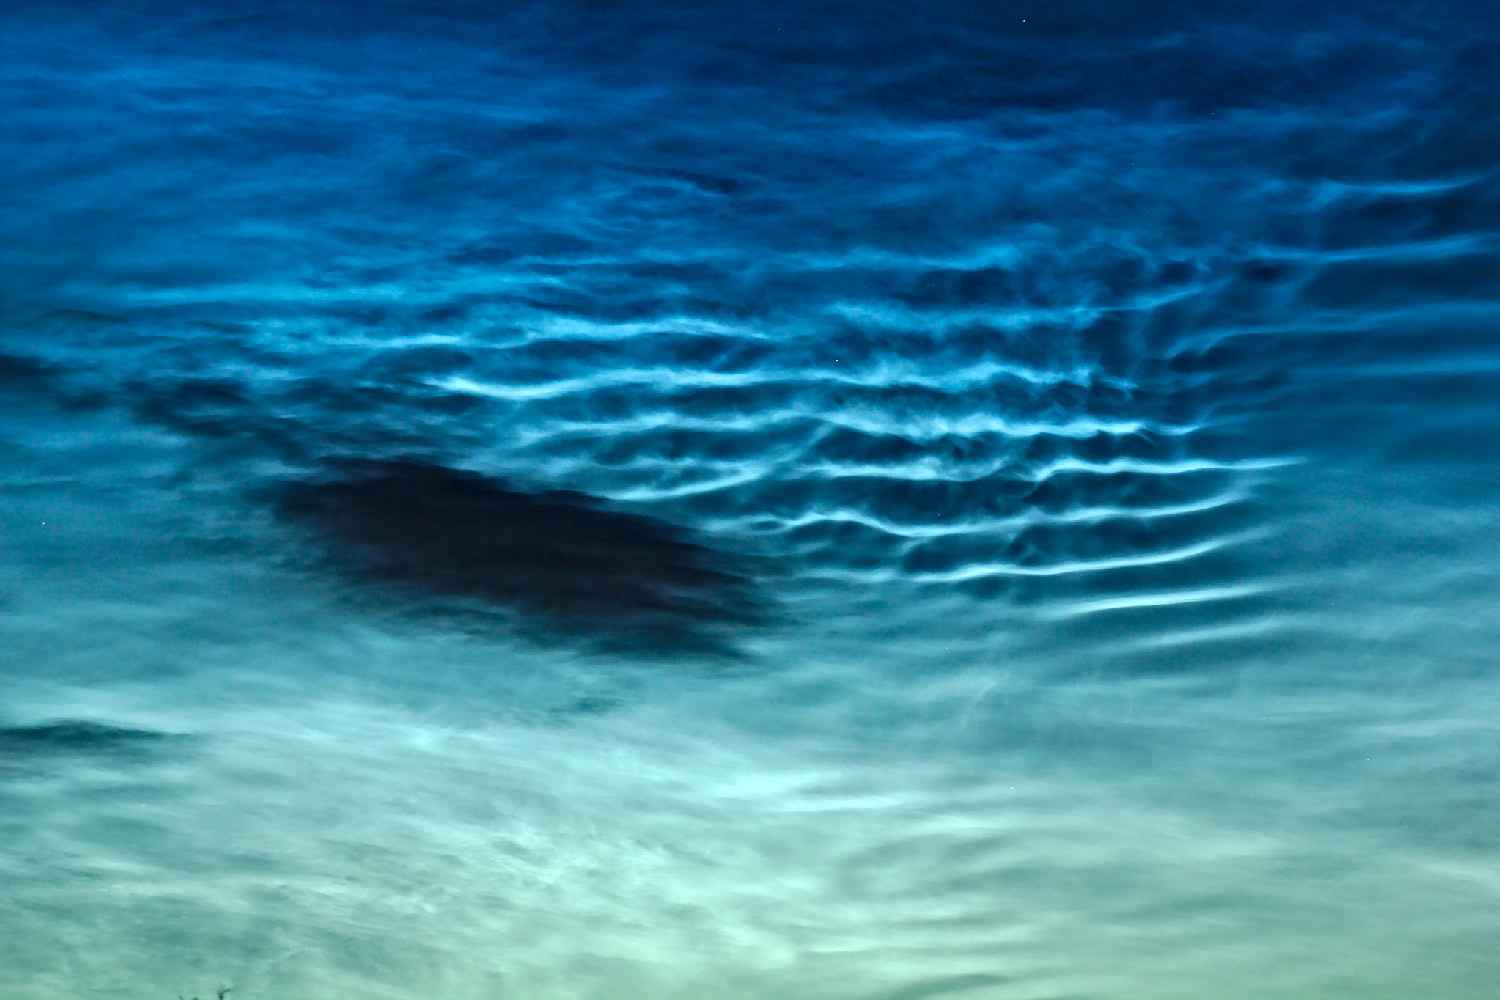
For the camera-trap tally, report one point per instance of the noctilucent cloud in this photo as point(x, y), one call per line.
point(808, 501)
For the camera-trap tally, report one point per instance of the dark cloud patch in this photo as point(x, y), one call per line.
point(208, 407)
point(28, 376)
point(42, 382)
point(220, 411)
point(942, 986)
point(17, 369)
point(587, 706)
point(294, 419)
point(559, 564)
point(77, 738)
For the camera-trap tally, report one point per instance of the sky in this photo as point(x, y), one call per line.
point(845, 501)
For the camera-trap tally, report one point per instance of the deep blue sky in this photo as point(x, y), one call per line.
point(822, 500)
